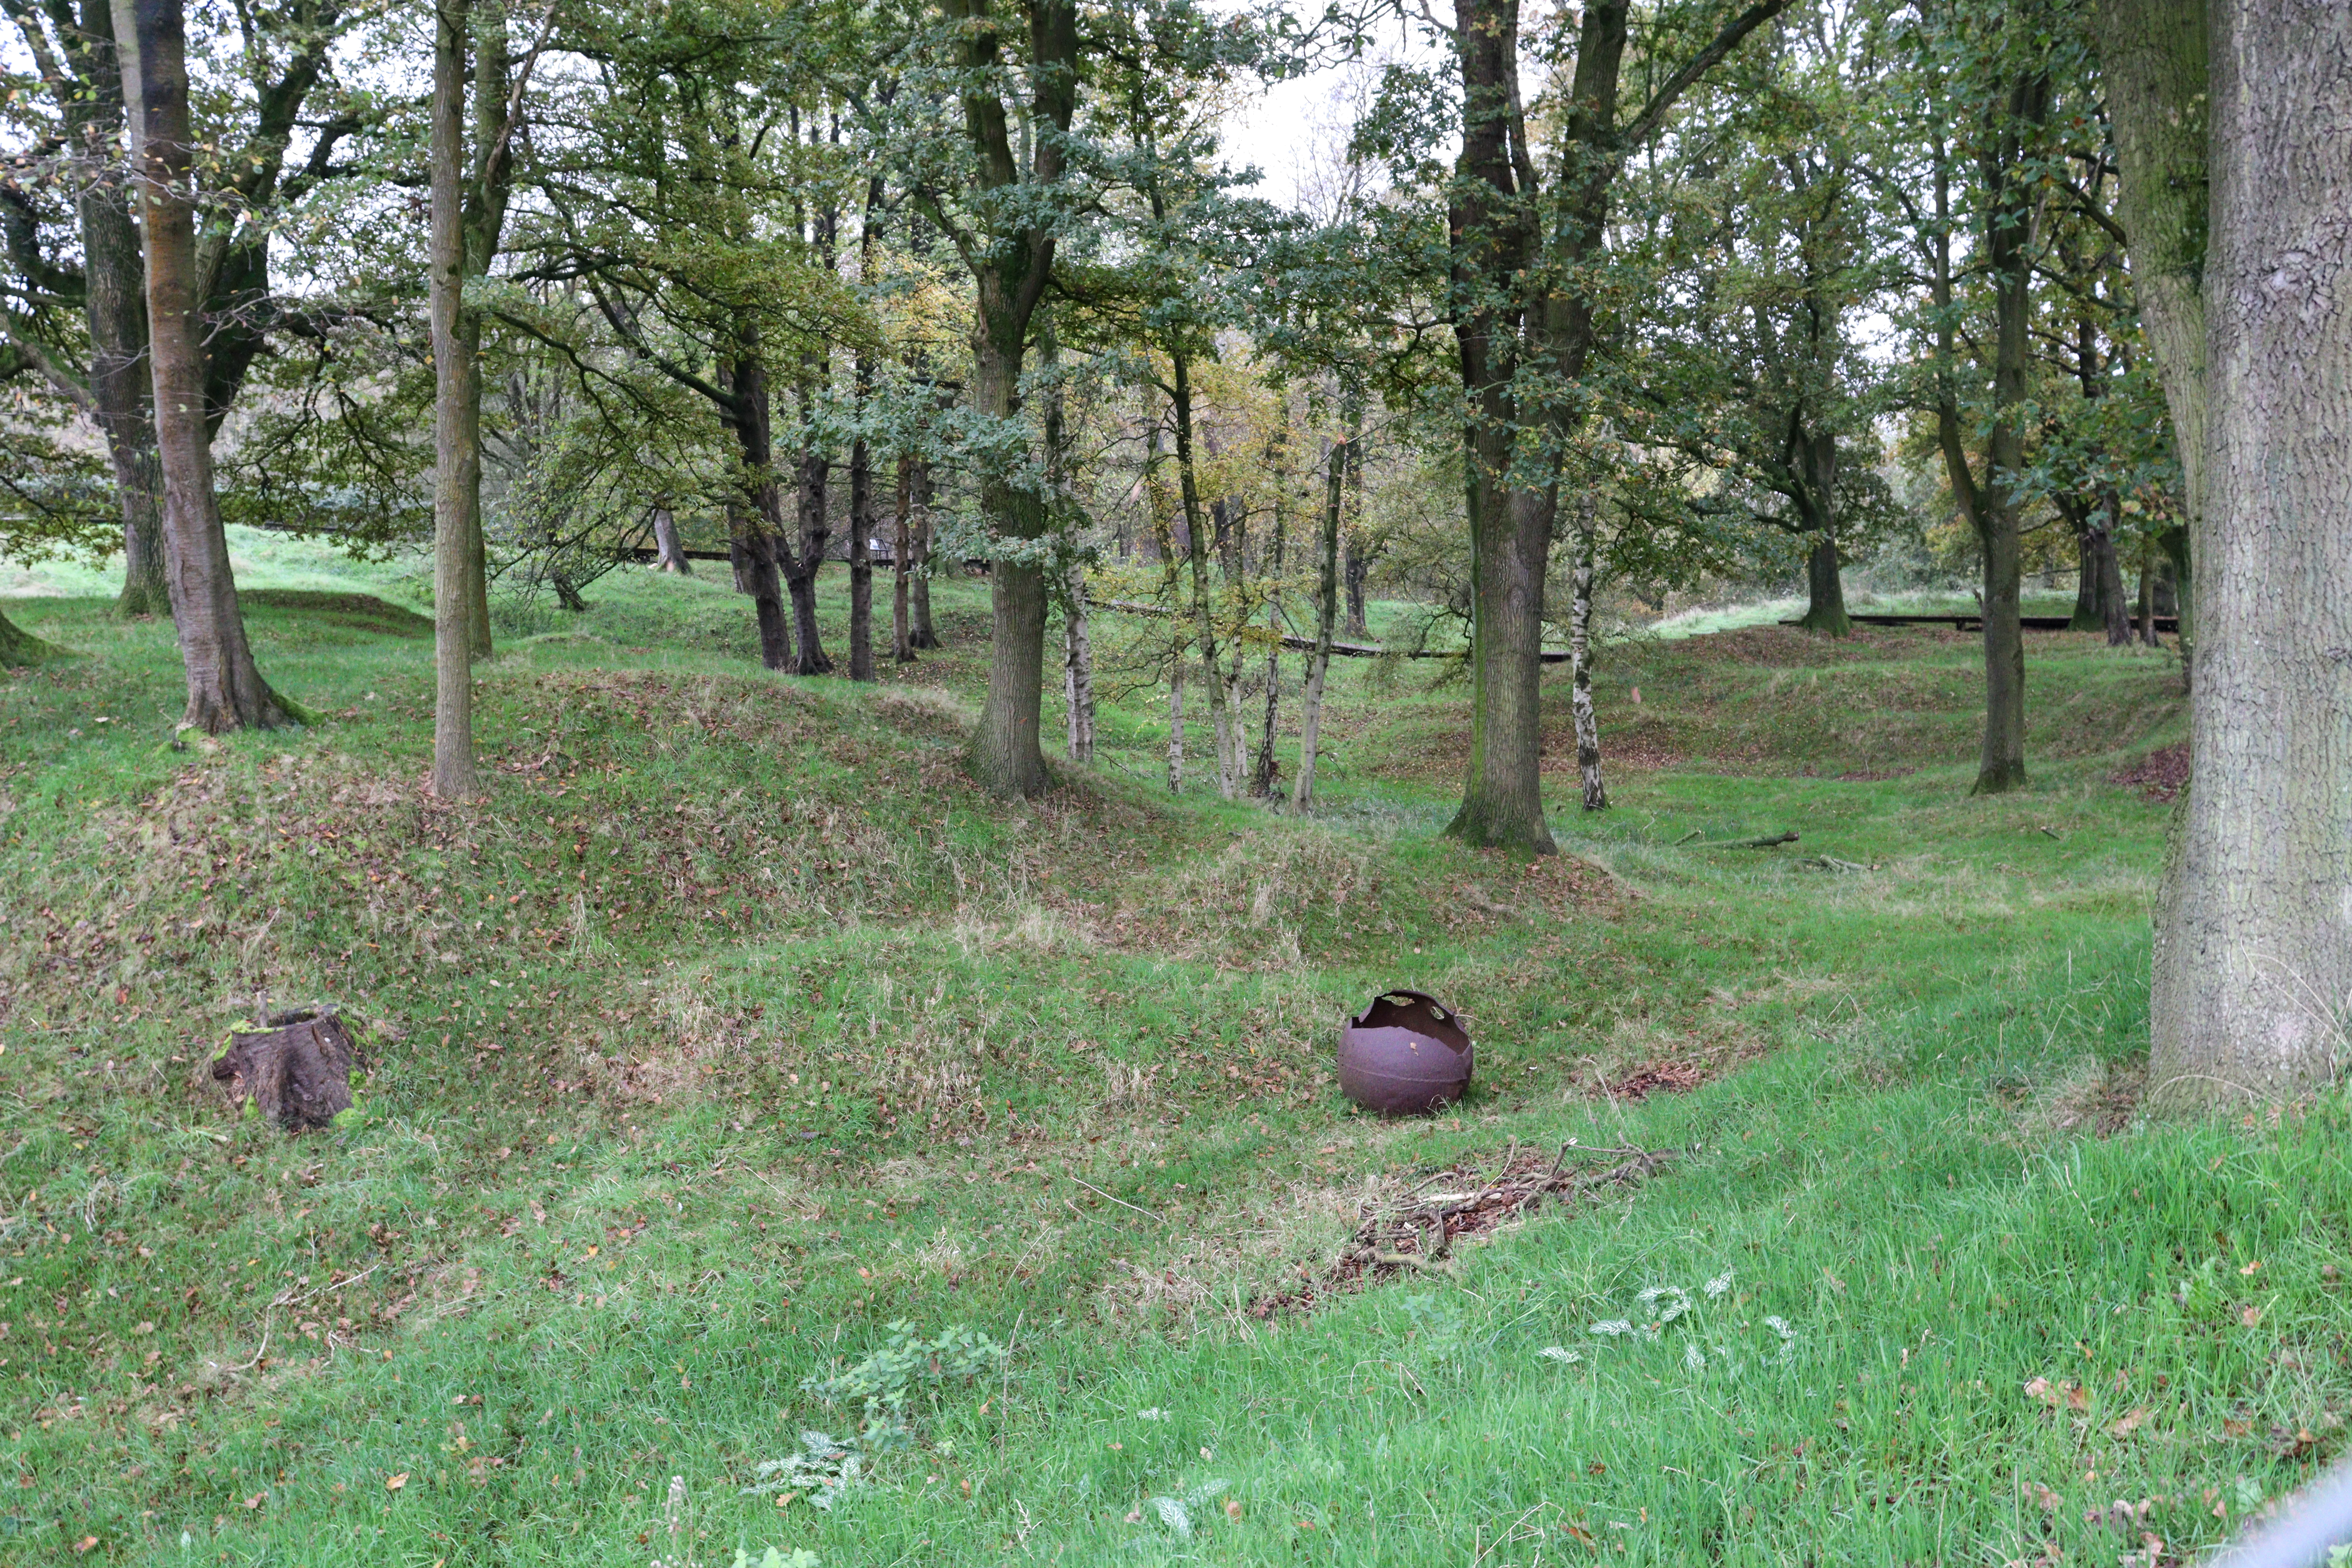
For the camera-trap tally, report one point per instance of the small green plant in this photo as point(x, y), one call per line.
point(884, 1381)
point(821, 1471)
point(799, 1557)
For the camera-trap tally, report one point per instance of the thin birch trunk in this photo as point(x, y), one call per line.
point(1176, 724)
point(1326, 607)
point(1579, 632)
point(1078, 666)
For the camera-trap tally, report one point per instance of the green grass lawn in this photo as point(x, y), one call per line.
point(735, 1028)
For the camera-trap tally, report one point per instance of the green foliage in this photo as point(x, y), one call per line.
point(906, 1364)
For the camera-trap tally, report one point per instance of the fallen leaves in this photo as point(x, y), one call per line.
point(393, 1483)
point(2068, 1396)
point(2125, 1425)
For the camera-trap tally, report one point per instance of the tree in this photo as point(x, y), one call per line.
point(1985, 80)
point(226, 691)
point(1767, 250)
point(2252, 971)
point(1005, 226)
point(2152, 59)
point(1524, 251)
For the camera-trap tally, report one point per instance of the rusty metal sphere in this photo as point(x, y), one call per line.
point(1403, 1055)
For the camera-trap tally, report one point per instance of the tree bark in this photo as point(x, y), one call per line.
point(114, 305)
point(1009, 272)
point(1326, 607)
point(2253, 969)
point(226, 691)
point(1359, 568)
point(457, 461)
point(2153, 60)
point(804, 558)
point(1077, 666)
point(902, 647)
point(20, 648)
point(920, 632)
point(1580, 644)
point(1176, 723)
point(1197, 545)
point(861, 562)
point(669, 555)
point(755, 521)
point(751, 549)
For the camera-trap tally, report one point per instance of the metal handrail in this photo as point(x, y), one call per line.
point(2319, 1518)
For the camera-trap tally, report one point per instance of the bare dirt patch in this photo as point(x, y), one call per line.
point(2160, 775)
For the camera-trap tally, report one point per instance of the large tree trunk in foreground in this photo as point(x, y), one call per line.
point(2252, 971)
point(457, 461)
point(226, 691)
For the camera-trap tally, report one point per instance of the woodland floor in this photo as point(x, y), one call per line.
point(735, 1026)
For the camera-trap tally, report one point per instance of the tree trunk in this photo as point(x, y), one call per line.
point(755, 521)
point(1078, 666)
point(121, 386)
point(669, 555)
point(1197, 545)
point(2148, 593)
point(902, 647)
point(2153, 60)
point(1825, 592)
point(226, 691)
point(20, 648)
point(751, 549)
point(1580, 644)
point(804, 559)
point(456, 460)
point(1176, 724)
point(861, 562)
point(1264, 773)
point(2115, 615)
point(1010, 273)
point(1326, 606)
point(1359, 567)
point(2252, 968)
point(1824, 588)
point(1501, 793)
point(1006, 753)
point(920, 632)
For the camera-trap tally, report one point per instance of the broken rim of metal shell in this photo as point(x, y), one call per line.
point(1405, 1053)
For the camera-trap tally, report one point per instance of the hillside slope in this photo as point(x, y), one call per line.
point(735, 1026)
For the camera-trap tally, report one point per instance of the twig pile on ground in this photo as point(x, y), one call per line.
point(1416, 1233)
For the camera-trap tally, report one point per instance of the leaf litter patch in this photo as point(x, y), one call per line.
point(1473, 1196)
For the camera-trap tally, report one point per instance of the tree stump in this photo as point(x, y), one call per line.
point(299, 1072)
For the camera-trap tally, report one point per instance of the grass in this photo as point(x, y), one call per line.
point(735, 1026)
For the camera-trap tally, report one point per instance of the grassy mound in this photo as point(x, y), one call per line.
point(735, 1026)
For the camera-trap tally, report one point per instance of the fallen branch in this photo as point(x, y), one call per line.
point(1765, 843)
